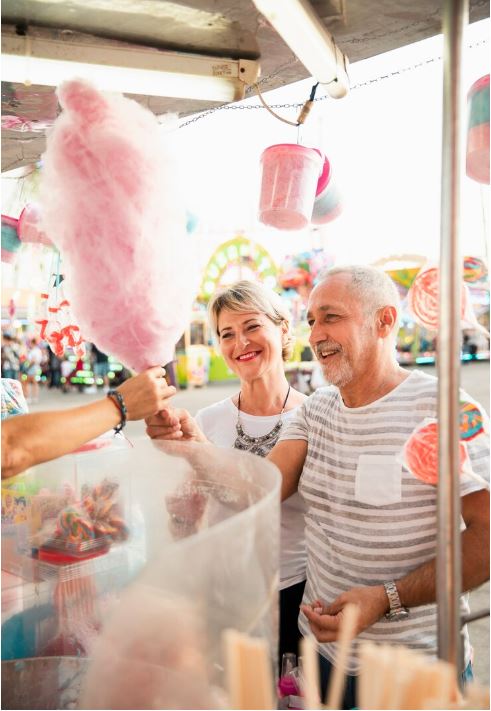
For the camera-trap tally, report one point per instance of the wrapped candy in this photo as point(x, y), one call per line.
point(420, 455)
point(52, 332)
point(57, 325)
point(72, 338)
point(42, 316)
point(112, 206)
point(103, 510)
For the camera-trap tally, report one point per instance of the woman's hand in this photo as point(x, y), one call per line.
point(147, 393)
point(174, 424)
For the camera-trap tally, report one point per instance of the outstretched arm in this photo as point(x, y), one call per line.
point(31, 439)
point(289, 456)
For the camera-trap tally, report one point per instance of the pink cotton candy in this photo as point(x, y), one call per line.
point(112, 205)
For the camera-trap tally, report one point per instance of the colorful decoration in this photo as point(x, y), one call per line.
point(471, 420)
point(239, 258)
point(404, 277)
point(112, 207)
point(10, 241)
point(191, 222)
point(304, 269)
point(474, 270)
point(477, 163)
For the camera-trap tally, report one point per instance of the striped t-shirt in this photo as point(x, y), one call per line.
point(368, 518)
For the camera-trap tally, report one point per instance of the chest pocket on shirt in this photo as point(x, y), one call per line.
point(378, 480)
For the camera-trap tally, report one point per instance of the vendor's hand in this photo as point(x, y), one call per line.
point(172, 424)
point(186, 508)
point(325, 620)
point(147, 393)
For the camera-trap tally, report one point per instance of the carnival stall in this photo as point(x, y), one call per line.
point(144, 574)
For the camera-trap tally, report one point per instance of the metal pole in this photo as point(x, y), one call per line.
point(455, 13)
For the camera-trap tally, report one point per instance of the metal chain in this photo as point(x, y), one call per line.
point(360, 85)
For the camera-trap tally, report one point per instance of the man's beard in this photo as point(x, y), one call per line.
point(338, 374)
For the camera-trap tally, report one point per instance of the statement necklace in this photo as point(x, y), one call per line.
point(259, 445)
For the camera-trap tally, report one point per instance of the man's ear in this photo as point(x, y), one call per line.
point(386, 320)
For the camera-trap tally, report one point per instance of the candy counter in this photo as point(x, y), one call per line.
point(125, 568)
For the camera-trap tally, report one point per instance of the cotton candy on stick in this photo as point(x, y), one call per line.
point(112, 207)
point(420, 455)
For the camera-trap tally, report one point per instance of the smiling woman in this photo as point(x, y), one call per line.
point(253, 329)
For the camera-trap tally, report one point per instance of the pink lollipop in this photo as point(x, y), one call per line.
point(423, 298)
point(421, 455)
point(111, 204)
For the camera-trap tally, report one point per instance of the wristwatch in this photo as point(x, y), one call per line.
point(397, 611)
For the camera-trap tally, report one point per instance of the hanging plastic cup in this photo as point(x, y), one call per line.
point(289, 183)
point(10, 240)
point(477, 162)
point(327, 203)
point(29, 228)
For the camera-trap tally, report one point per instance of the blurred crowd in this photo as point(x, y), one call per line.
point(32, 362)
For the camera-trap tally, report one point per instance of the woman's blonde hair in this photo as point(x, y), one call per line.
point(246, 296)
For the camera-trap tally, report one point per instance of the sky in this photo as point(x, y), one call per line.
point(383, 141)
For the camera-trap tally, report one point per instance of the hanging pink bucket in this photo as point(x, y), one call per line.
point(289, 181)
point(327, 203)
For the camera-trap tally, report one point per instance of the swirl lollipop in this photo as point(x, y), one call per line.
point(474, 270)
point(421, 455)
point(471, 420)
point(423, 298)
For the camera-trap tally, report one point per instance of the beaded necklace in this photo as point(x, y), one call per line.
point(259, 445)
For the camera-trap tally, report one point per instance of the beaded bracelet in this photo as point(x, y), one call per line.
point(117, 398)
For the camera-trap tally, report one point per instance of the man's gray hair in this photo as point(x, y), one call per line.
point(373, 287)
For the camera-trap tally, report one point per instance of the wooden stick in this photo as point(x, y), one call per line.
point(249, 675)
point(370, 676)
point(311, 690)
point(347, 631)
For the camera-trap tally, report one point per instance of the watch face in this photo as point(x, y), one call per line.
point(398, 615)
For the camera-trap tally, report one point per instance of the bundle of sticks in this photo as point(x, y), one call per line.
point(390, 677)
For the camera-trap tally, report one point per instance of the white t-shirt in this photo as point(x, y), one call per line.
point(217, 422)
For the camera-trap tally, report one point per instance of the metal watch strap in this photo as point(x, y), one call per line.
point(396, 607)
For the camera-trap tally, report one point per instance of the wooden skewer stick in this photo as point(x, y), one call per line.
point(249, 675)
point(310, 689)
point(347, 631)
